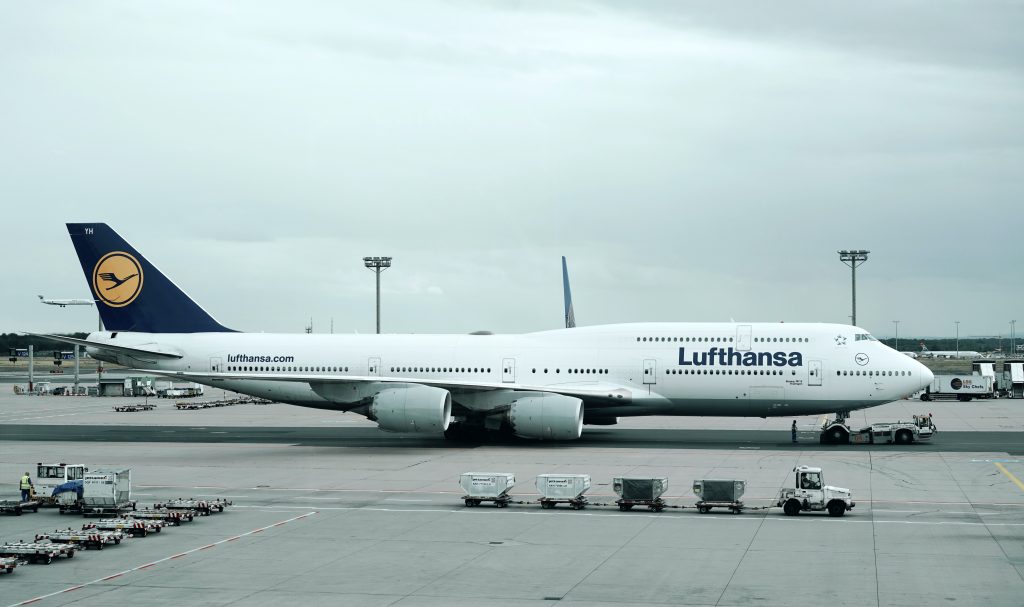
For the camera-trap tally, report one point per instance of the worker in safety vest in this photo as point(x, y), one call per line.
point(26, 487)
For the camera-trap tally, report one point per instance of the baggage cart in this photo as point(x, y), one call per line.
point(92, 538)
point(17, 507)
point(134, 528)
point(201, 507)
point(34, 552)
point(133, 407)
point(7, 564)
point(487, 487)
point(719, 494)
point(563, 489)
point(169, 517)
point(640, 492)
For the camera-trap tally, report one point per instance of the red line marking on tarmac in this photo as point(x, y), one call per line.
point(147, 565)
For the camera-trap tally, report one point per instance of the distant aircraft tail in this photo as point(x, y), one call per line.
point(570, 316)
point(131, 294)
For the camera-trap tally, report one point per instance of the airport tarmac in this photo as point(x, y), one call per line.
point(329, 510)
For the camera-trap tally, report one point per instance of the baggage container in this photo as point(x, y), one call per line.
point(640, 492)
point(719, 494)
point(640, 488)
point(719, 490)
point(563, 488)
point(107, 490)
point(487, 487)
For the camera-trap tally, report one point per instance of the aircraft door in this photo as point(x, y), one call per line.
point(508, 370)
point(814, 373)
point(743, 338)
point(650, 371)
point(216, 365)
point(373, 366)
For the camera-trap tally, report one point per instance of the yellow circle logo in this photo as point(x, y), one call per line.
point(117, 279)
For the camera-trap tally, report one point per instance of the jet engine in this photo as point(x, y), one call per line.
point(412, 408)
point(547, 416)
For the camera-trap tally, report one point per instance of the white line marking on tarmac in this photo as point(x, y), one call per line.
point(167, 558)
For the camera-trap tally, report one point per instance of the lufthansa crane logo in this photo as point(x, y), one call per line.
point(117, 279)
point(862, 359)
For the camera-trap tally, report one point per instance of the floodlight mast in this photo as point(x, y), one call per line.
point(853, 259)
point(378, 265)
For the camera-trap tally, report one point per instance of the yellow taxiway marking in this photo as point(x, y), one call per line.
point(1016, 481)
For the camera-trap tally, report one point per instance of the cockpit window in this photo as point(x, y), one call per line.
point(864, 337)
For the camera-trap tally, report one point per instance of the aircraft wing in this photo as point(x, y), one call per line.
point(141, 353)
point(588, 391)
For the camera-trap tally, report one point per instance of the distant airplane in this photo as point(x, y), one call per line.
point(926, 353)
point(65, 302)
point(542, 385)
point(570, 316)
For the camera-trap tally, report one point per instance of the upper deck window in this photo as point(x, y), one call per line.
point(864, 337)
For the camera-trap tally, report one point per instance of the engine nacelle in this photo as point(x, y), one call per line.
point(412, 408)
point(547, 416)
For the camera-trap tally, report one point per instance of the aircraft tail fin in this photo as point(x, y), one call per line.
point(131, 293)
point(570, 315)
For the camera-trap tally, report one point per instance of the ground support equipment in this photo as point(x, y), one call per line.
point(93, 538)
point(125, 525)
point(34, 552)
point(117, 510)
point(576, 503)
point(501, 501)
point(169, 517)
point(704, 506)
point(655, 505)
point(7, 564)
point(201, 507)
point(16, 507)
point(133, 407)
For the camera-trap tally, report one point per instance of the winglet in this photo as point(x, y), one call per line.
point(570, 316)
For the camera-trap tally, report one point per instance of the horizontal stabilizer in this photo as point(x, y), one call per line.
point(131, 351)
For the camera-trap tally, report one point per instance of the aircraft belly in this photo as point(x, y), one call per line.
point(292, 393)
point(729, 407)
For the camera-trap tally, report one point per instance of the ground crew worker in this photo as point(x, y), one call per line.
point(793, 431)
point(26, 487)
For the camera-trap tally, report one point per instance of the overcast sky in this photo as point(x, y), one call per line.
point(695, 161)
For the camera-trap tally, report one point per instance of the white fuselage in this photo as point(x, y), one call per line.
point(713, 369)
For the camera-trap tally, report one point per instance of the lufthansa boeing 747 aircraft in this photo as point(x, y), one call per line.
point(543, 385)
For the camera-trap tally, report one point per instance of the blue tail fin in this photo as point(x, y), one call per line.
point(130, 293)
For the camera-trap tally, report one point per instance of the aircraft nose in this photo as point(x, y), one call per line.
point(926, 376)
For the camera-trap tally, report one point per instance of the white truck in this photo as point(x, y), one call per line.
point(809, 492)
point(839, 432)
point(50, 476)
point(961, 387)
